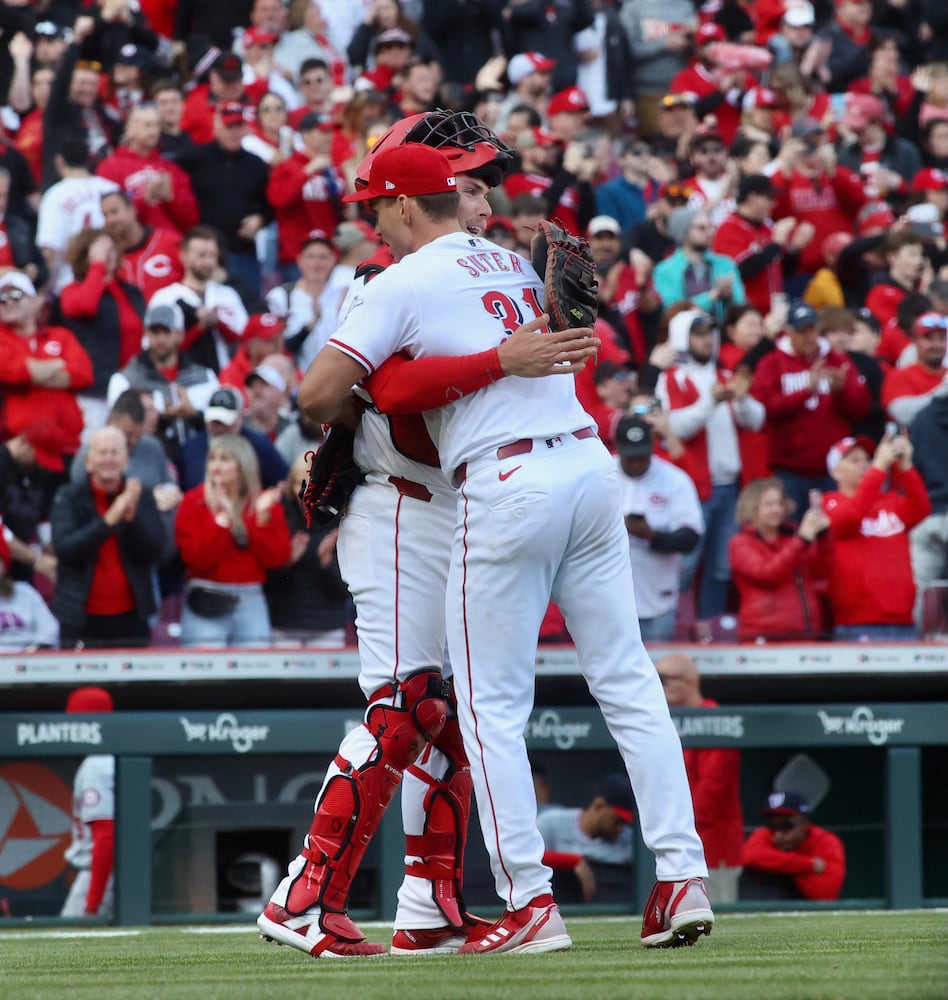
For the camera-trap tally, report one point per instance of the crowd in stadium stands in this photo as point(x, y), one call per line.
point(764, 187)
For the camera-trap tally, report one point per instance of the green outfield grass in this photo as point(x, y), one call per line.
point(812, 956)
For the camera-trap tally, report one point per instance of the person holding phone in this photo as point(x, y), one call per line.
point(664, 521)
point(879, 498)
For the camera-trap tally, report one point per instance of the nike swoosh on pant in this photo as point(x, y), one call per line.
point(504, 476)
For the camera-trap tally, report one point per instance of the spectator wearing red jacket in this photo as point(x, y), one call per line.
point(798, 859)
point(812, 395)
point(230, 533)
point(812, 188)
point(872, 590)
point(225, 85)
point(160, 190)
point(762, 252)
point(776, 565)
point(306, 192)
point(714, 774)
point(41, 367)
point(151, 258)
point(910, 389)
point(905, 256)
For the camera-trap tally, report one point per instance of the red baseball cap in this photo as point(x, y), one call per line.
point(710, 32)
point(572, 99)
point(930, 179)
point(875, 215)
point(842, 448)
point(411, 170)
point(524, 63)
point(233, 113)
point(762, 97)
point(259, 36)
point(265, 325)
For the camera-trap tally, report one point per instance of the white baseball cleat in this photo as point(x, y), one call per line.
point(534, 928)
point(321, 935)
point(677, 913)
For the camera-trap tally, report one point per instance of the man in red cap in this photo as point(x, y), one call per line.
point(530, 75)
point(880, 498)
point(92, 850)
point(225, 85)
point(907, 390)
point(886, 162)
point(790, 857)
point(567, 113)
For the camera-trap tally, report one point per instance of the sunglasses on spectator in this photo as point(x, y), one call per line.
point(932, 323)
point(674, 101)
point(47, 29)
point(14, 295)
point(679, 191)
point(92, 64)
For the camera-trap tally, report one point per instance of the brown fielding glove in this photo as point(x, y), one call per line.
point(566, 266)
point(333, 475)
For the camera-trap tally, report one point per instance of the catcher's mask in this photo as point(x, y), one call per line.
point(469, 145)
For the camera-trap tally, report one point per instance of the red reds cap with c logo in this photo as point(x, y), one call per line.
point(265, 325)
point(572, 99)
point(411, 170)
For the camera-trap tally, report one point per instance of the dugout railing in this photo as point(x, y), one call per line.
point(914, 831)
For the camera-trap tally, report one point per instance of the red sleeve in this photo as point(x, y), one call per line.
point(767, 569)
point(759, 852)
point(915, 504)
point(103, 859)
point(78, 362)
point(731, 242)
point(896, 384)
point(13, 370)
point(561, 860)
point(766, 389)
point(821, 843)
point(191, 336)
point(269, 542)
point(846, 513)
point(183, 209)
point(80, 300)
point(854, 399)
point(402, 385)
point(202, 542)
point(849, 190)
point(285, 183)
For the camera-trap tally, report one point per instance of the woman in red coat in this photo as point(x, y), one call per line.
point(775, 565)
point(229, 534)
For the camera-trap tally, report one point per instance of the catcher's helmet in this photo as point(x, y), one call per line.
point(469, 145)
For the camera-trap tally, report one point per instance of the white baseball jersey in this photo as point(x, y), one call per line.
point(93, 798)
point(668, 499)
point(68, 207)
point(487, 293)
point(559, 827)
point(230, 309)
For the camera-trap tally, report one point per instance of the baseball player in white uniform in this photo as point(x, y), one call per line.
point(538, 515)
point(394, 552)
point(91, 852)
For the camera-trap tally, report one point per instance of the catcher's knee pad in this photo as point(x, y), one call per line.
point(403, 717)
point(353, 802)
point(440, 847)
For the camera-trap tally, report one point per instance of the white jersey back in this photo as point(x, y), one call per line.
point(93, 797)
point(459, 295)
point(381, 442)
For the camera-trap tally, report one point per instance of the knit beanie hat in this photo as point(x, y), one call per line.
point(679, 222)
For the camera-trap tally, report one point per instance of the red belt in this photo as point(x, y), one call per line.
point(523, 447)
point(408, 488)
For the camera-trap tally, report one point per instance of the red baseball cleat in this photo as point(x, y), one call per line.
point(322, 935)
point(438, 940)
point(677, 913)
point(533, 928)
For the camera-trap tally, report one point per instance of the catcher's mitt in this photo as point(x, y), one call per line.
point(333, 475)
point(566, 266)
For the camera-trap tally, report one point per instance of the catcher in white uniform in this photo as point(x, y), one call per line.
point(394, 552)
point(538, 515)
